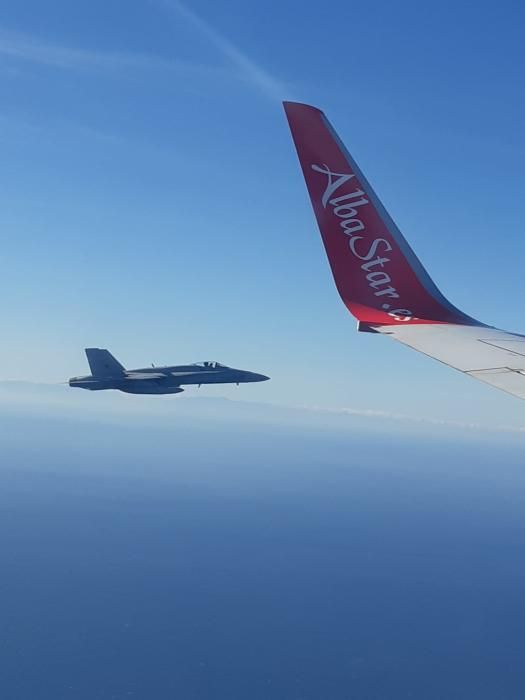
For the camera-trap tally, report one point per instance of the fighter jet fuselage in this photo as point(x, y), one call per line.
point(108, 373)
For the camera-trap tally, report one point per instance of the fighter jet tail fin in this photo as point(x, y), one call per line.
point(103, 364)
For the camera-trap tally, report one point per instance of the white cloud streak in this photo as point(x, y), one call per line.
point(59, 395)
point(404, 418)
point(21, 48)
point(256, 75)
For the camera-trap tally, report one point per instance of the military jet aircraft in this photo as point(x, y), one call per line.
point(108, 373)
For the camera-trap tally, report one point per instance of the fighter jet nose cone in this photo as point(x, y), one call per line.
point(253, 377)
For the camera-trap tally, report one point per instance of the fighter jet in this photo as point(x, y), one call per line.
point(108, 373)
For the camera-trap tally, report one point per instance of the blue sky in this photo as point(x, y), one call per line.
point(151, 201)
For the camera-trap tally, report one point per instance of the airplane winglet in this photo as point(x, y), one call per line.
point(379, 278)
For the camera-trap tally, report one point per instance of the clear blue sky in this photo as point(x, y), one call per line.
point(151, 201)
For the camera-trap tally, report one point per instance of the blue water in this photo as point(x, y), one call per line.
point(211, 562)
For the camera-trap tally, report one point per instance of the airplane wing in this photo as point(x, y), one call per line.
point(378, 276)
point(143, 376)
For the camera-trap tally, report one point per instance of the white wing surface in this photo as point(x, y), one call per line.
point(488, 354)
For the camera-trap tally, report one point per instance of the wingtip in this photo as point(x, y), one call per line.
point(291, 106)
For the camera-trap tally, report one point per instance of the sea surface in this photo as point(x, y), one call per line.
point(224, 561)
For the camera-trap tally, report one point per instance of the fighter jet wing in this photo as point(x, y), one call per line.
point(138, 376)
point(378, 276)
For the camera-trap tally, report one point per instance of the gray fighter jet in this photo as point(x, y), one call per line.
point(108, 373)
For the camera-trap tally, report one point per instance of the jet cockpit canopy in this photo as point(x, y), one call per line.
point(209, 365)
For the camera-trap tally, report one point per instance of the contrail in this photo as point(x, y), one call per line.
point(29, 49)
point(258, 76)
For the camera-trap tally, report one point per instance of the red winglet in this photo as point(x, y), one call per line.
point(378, 276)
